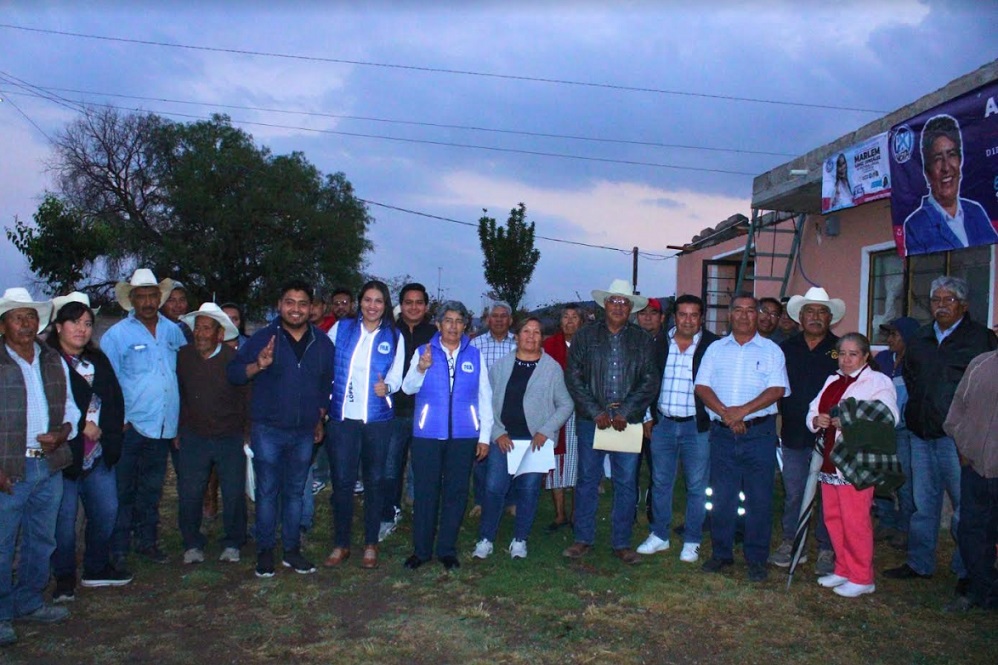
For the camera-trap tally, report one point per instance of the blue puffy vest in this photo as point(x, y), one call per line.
point(382, 353)
point(442, 413)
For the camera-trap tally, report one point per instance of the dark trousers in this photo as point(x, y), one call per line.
point(978, 534)
point(196, 455)
point(440, 471)
point(140, 472)
point(350, 443)
point(97, 489)
point(747, 461)
point(398, 448)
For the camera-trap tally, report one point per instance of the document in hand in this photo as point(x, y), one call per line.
point(522, 459)
point(628, 441)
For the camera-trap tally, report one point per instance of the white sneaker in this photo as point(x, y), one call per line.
point(194, 555)
point(690, 553)
point(482, 549)
point(518, 549)
point(652, 545)
point(832, 581)
point(386, 529)
point(230, 555)
point(358, 487)
point(852, 590)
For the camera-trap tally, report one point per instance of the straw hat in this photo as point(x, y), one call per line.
point(18, 298)
point(621, 287)
point(141, 277)
point(76, 296)
point(213, 311)
point(816, 296)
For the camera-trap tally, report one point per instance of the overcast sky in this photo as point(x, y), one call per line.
point(678, 75)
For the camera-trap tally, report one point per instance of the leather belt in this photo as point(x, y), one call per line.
point(684, 419)
point(752, 422)
point(34, 452)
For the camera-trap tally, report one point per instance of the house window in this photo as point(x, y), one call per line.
point(719, 281)
point(896, 290)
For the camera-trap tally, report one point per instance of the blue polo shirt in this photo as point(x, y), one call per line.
point(146, 368)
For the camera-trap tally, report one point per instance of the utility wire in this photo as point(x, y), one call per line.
point(649, 255)
point(448, 144)
point(28, 118)
point(653, 144)
point(439, 70)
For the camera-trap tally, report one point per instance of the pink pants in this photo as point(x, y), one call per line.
point(850, 527)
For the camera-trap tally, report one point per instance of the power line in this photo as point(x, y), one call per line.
point(648, 255)
point(28, 118)
point(448, 144)
point(439, 70)
point(338, 116)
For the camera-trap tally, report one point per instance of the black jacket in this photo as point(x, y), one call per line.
point(112, 412)
point(587, 367)
point(404, 404)
point(932, 371)
point(706, 339)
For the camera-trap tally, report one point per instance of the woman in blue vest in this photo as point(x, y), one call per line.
point(450, 429)
point(367, 370)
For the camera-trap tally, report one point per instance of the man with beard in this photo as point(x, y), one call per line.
point(290, 363)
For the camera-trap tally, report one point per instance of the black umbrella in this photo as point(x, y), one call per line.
point(807, 504)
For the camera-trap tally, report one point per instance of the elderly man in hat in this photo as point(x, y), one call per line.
point(811, 358)
point(740, 379)
point(934, 365)
point(613, 378)
point(213, 423)
point(143, 349)
point(38, 416)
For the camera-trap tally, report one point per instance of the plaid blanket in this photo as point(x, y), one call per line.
point(867, 453)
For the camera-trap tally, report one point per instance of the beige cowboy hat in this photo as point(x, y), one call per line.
point(18, 298)
point(141, 277)
point(213, 311)
point(816, 296)
point(76, 296)
point(621, 287)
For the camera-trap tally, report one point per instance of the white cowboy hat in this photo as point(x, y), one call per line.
point(19, 298)
point(816, 296)
point(620, 287)
point(76, 296)
point(141, 277)
point(213, 311)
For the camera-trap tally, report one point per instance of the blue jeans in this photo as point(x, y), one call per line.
point(31, 509)
point(497, 483)
point(898, 516)
point(197, 454)
point(935, 468)
point(308, 501)
point(623, 470)
point(796, 467)
point(979, 534)
point(98, 490)
point(398, 447)
point(670, 442)
point(348, 444)
point(440, 471)
point(281, 459)
point(141, 471)
point(742, 463)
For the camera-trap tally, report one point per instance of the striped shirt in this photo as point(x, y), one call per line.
point(676, 397)
point(491, 349)
point(738, 373)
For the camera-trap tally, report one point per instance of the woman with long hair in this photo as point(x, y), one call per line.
point(96, 449)
point(368, 369)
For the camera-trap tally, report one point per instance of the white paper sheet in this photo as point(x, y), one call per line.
point(522, 459)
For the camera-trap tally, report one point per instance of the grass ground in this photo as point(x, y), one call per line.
point(544, 609)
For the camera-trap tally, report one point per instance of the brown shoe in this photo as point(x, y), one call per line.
point(336, 557)
point(476, 511)
point(576, 550)
point(627, 555)
point(370, 559)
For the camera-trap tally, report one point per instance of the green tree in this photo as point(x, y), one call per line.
point(510, 256)
point(61, 247)
point(202, 203)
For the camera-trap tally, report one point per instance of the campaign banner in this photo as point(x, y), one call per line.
point(857, 175)
point(944, 169)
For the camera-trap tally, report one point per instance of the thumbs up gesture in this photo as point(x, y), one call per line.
point(380, 387)
point(425, 359)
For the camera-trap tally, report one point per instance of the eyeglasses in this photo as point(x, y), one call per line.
point(945, 300)
point(771, 313)
point(617, 301)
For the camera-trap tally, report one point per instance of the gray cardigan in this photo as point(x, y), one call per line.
point(546, 402)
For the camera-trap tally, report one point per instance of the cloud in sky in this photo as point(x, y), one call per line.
point(871, 56)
